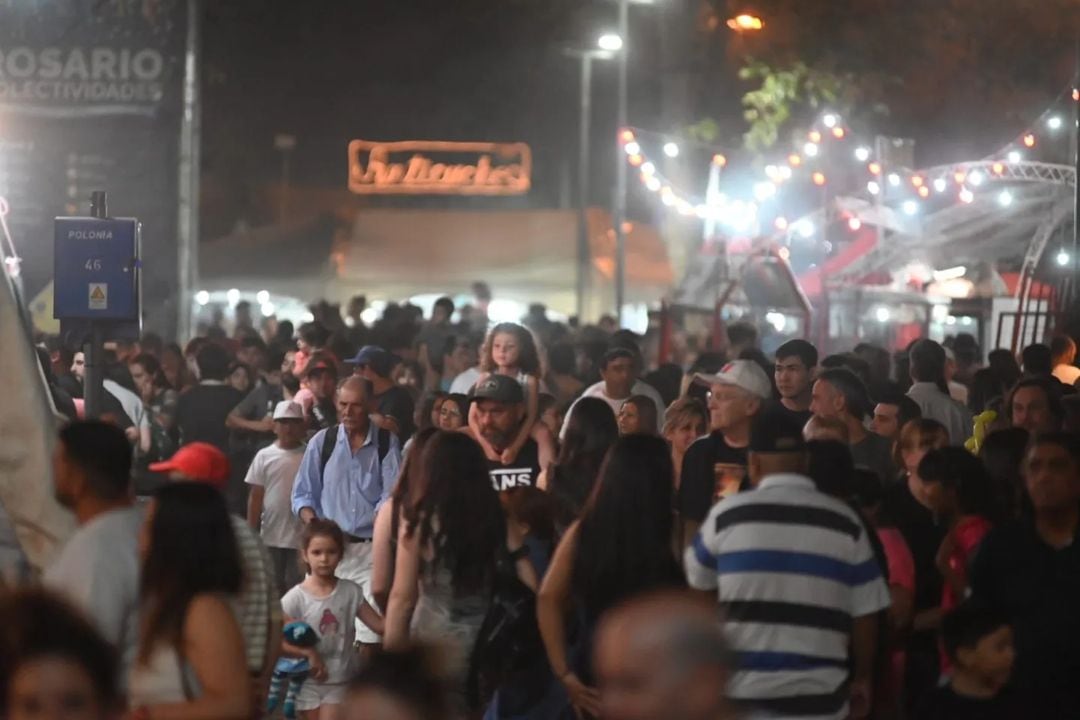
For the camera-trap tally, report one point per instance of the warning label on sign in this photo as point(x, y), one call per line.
point(99, 296)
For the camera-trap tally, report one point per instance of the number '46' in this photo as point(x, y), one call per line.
point(93, 264)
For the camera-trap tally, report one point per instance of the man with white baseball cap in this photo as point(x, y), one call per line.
point(271, 477)
point(715, 465)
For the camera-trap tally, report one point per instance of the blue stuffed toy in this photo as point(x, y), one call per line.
point(293, 671)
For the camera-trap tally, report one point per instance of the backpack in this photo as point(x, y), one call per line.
point(509, 638)
point(327, 449)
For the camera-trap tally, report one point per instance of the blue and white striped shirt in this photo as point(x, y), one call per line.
point(354, 485)
point(793, 568)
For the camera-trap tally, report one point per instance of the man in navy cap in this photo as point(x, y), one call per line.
point(393, 405)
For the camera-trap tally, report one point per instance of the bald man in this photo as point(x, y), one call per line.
point(663, 657)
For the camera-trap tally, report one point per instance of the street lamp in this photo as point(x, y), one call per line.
point(745, 22)
point(619, 204)
point(607, 45)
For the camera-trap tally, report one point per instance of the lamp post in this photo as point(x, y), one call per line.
point(607, 45)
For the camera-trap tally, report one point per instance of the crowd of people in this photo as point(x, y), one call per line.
point(457, 519)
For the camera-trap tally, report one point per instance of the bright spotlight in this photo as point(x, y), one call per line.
point(1015, 156)
point(233, 296)
point(202, 297)
point(1062, 258)
point(873, 188)
point(1005, 198)
point(805, 228)
point(976, 178)
point(810, 149)
point(632, 148)
point(262, 297)
point(671, 149)
point(1054, 123)
point(894, 179)
point(882, 314)
point(862, 154)
point(941, 184)
point(910, 207)
point(610, 42)
point(268, 309)
point(829, 120)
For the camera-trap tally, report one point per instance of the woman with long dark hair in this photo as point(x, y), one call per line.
point(159, 399)
point(388, 521)
point(590, 433)
point(622, 545)
point(191, 663)
point(452, 532)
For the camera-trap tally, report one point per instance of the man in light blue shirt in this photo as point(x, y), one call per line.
point(358, 477)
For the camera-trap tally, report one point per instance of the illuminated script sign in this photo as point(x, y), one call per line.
point(439, 168)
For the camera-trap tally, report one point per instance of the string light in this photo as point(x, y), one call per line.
point(805, 228)
point(873, 188)
point(976, 178)
point(1062, 258)
point(1015, 156)
point(781, 223)
point(671, 149)
point(966, 196)
point(959, 176)
point(648, 168)
point(636, 160)
point(1054, 123)
point(1005, 198)
point(810, 150)
point(627, 136)
point(862, 154)
point(829, 120)
point(815, 136)
point(910, 207)
point(940, 184)
point(924, 192)
point(1029, 140)
point(874, 168)
point(854, 224)
point(818, 178)
point(998, 168)
point(632, 148)
point(653, 184)
point(785, 172)
point(794, 160)
point(917, 180)
point(838, 133)
point(719, 160)
point(894, 179)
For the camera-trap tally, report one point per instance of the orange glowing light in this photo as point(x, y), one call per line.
point(838, 133)
point(959, 176)
point(917, 180)
point(998, 168)
point(413, 168)
point(875, 168)
point(924, 192)
point(1076, 94)
point(746, 22)
point(815, 136)
point(636, 160)
point(626, 136)
point(1029, 140)
point(719, 160)
point(794, 160)
point(818, 178)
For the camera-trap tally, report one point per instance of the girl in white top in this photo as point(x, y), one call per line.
point(329, 605)
point(190, 663)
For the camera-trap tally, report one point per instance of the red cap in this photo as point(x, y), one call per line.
point(199, 461)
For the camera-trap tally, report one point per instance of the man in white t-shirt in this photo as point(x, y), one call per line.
point(98, 569)
point(619, 370)
point(271, 477)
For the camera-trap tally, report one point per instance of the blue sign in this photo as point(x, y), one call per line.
point(96, 269)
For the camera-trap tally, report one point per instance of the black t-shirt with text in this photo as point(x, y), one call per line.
point(711, 469)
point(523, 472)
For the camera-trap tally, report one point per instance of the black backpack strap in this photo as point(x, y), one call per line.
point(384, 443)
point(328, 442)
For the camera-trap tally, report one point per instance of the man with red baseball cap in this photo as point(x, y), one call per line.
point(258, 608)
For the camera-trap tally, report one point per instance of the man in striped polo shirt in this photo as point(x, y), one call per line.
point(797, 583)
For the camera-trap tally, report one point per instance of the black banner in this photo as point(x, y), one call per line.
point(91, 99)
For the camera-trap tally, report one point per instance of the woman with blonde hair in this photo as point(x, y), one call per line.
point(686, 420)
point(907, 506)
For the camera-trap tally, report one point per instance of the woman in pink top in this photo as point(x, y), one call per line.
point(961, 494)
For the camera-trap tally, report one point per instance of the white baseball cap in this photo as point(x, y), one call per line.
point(745, 374)
point(288, 410)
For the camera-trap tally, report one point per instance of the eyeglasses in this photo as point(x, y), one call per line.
point(450, 412)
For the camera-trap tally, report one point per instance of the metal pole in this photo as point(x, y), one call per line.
point(284, 186)
point(584, 262)
point(619, 212)
point(94, 351)
point(188, 183)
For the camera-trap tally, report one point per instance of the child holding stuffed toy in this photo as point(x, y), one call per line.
point(328, 604)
